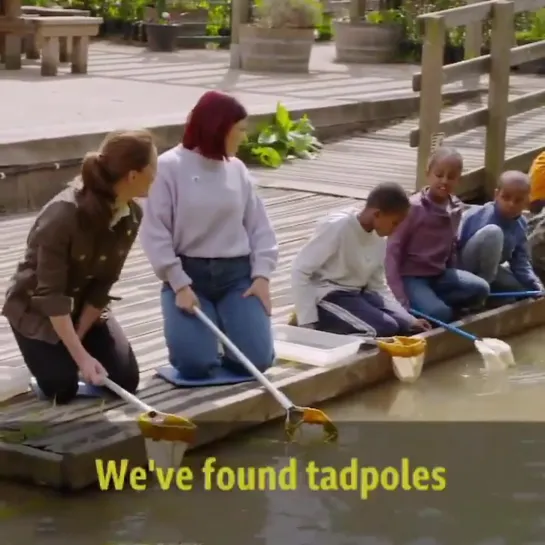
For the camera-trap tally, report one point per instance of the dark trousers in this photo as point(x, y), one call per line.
point(362, 312)
point(57, 373)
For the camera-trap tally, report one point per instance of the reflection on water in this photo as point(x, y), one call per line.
point(495, 495)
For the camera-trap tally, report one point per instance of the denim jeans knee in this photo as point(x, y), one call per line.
point(193, 349)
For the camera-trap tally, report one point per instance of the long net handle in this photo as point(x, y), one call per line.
point(128, 397)
point(273, 390)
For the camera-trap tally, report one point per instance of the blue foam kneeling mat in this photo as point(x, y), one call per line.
point(220, 377)
point(84, 390)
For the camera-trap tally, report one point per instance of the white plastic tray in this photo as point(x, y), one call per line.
point(13, 382)
point(312, 347)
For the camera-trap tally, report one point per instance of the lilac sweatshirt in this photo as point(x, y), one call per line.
point(425, 243)
point(199, 207)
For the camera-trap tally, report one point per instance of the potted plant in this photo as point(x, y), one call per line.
point(535, 33)
point(192, 18)
point(281, 38)
point(161, 31)
point(454, 46)
point(373, 38)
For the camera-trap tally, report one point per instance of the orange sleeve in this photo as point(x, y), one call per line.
point(537, 178)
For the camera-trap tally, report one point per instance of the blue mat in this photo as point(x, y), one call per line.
point(84, 390)
point(221, 377)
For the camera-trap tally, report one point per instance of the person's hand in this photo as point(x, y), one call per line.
point(422, 325)
point(186, 299)
point(92, 370)
point(260, 289)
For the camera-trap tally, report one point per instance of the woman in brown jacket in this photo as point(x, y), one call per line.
point(57, 302)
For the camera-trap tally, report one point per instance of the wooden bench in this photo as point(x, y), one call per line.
point(52, 35)
point(54, 12)
point(12, 31)
point(31, 47)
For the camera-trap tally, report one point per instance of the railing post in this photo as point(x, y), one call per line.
point(431, 98)
point(498, 93)
point(472, 47)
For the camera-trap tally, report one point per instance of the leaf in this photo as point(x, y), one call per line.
point(303, 125)
point(283, 119)
point(271, 158)
point(268, 157)
point(268, 136)
point(301, 142)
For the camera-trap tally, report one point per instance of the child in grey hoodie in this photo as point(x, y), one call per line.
point(421, 254)
point(338, 277)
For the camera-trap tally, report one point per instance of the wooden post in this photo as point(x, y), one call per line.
point(240, 15)
point(498, 93)
point(472, 47)
point(357, 10)
point(431, 99)
point(50, 56)
point(13, 43)
point(79, 54)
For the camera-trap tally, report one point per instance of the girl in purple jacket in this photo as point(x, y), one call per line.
point(421, 254)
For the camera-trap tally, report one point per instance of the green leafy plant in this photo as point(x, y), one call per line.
point(281, 140)
point(289, 13)
point(535, 29)
point(325, 30)
point(386, 17)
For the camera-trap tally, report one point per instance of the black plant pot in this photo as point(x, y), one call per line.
point(135, 32)
point(453, 54)
point(410, 51)
point(143, 35)
point(127, 32)
point(162, 37)
point(112, 27)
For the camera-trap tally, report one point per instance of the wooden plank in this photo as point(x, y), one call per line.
point(528, 5)
point(465, 15)
point(479, 117)
point(462, 15)
point(519, 161)
point(481, 65)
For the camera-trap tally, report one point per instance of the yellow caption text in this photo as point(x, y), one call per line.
point(354, 477)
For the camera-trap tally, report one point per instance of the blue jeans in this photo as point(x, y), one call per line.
point(482, 255)
point(219, 285)
point(438, 296)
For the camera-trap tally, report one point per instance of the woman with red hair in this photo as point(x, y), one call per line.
point(208, 238)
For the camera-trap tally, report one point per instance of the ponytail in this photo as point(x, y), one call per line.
point(96, 199)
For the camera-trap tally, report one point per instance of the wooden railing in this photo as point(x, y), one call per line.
point(498, 64)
